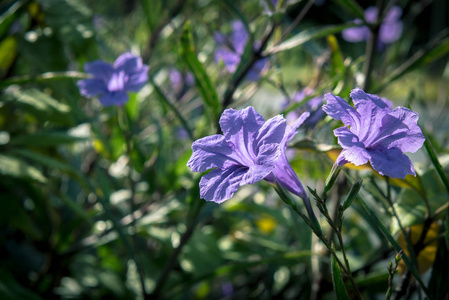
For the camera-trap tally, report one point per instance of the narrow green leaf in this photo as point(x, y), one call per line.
point(202, 80)
point(8, 53)
point(435, 49)
point(15, 167)
point(434, 159)
point(352, 7)
point(45, 139)
point(50, 162)
point(337, 61)
point(375, 220)
point(39, 104)
point(339, 286)
point(8, 17)
point(308, 35)
point(352, 193)
point(178, 114)
point(48, 76)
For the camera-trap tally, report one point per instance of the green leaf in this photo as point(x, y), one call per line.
point(337, 61)
point(153, 12)
point(10, 289)
point(434, 159)
point(375, 220)
point(15, 167)
point(339, 286)
point(202, 80)
point(435, 49)
point(41, 105)
point(308, 35)
point(8, 53)
point(45, 139)
point(352, 7)
point(50, 162)
point(8, 17)
point(352, 193)
point(410, 205)
point(439, 280)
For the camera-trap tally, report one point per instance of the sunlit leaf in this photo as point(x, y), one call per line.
point(15, 167)
point(45, 139)
point(308, 35)
point(202, 80)
point(427, 255)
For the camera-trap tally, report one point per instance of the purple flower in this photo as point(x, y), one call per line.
point(389, 32)
point(180, 82)
point(248, 151)
point(376, 133)
point(313, 106)
point(112, 82)
point(230, 50)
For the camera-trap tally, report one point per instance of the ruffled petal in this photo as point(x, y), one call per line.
point(268, 154)
point(271, 132)
point(92, 87)
point(291, 128)
point(256, 173)
point(353, 150)
point(220, 185)
point(211, 152)
point(399, 129)
point(339, 109)
point(240, 129)
point(114, 98)
point(391, 162)
point(359, 97)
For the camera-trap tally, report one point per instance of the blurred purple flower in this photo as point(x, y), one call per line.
point(180, 82)
point(313, 106)
point(389, 32)
point(248, 151)
point(375, 133)
point(112, 82)
point(230, 50)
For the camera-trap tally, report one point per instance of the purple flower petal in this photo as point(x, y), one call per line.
point(356, 34)
point(354, 150)
point(114, 98)
point(381, 136)
point(128, 62)
point(230, 59)
point(220, 185)
point(239, 37)
point(391, 162)
point(240, 128)
point(400, 130)
point(112, 82)
point(249, 151)
point(211, 152)
point(99, 69)
point(92, 87)
point(339, 109)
